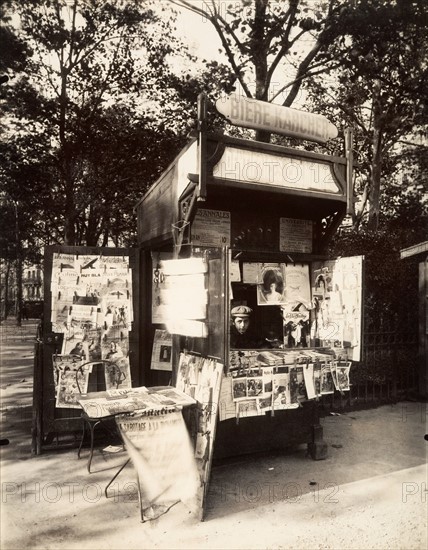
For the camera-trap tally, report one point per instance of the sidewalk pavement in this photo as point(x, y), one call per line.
point(370, 493)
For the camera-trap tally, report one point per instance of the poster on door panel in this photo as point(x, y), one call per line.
point(337, 294)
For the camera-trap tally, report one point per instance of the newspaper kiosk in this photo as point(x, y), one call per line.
point(242, 227)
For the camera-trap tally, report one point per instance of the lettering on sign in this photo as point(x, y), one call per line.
point(211, 228)
point(295, 235)
point(260, 115)
point(280, 171)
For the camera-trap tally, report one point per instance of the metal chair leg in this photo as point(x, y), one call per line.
point(115, 476)
point(83, 438)
point(92, 427)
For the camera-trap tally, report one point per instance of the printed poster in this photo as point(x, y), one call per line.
point(270, 287)
point(71, 384)
point(92, 306)
point(340, 374)
point(179, 294)
point(162, 351)
point(281, 398)
point(118, 374)
point(250, 273)
point(201, 378)
point(297, 284)
point(337, 296)
point(327, 382)
point(211, 228)
point(62, 364)
point(234, 271)
point(295, 235)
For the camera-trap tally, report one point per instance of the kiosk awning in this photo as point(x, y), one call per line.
point(218, 171)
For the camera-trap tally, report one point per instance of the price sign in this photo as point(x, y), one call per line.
point(211, 228)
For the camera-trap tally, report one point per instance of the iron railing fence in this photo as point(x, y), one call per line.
point(388, 370)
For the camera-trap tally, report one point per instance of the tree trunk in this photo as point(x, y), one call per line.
point(263, 135)
point(6, 290)
point(69, 229)
point(259, 55)
point(70, 207)
point(376, 168)
point(19, 288)
point(376, 177)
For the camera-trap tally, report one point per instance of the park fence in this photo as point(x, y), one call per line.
point(388, 371)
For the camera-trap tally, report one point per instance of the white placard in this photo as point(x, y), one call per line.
point(234, 271)
point(187, 327)
point(250, 273)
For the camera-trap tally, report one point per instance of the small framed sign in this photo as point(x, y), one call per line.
point(211, 228)
point(295, 235)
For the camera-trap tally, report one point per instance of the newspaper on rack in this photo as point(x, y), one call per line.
point(151, 400)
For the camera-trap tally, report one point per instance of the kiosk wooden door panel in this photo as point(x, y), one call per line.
point(90, 293)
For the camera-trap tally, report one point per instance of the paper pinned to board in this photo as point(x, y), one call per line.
point(308, 375)
point(197, 329)
point(185, 266)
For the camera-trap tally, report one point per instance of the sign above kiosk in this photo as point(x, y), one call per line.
point(265, 168)
point(260, 115)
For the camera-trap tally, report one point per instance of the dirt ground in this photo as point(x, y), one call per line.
point(371, 492)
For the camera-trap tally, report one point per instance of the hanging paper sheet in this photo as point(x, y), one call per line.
point(162, 454)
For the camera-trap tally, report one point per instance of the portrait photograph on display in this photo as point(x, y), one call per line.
point(270, 287)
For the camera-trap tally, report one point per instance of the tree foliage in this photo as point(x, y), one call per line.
point(84, 115)
point(379, 89)
point(273, 47)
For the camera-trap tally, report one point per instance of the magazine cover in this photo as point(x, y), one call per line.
point(114, 346)
point(162, 351)
point(89, 291)
point(226, 405)
point(270, 287)
point(297, 385)
point(327, 382)
point(342, 376)
point(92, 341)
point(118, 374)
point(247, 408)
point(62, 364)
point(239, 387)
point(317, 379)
point(281, 397)
point(68, 389)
